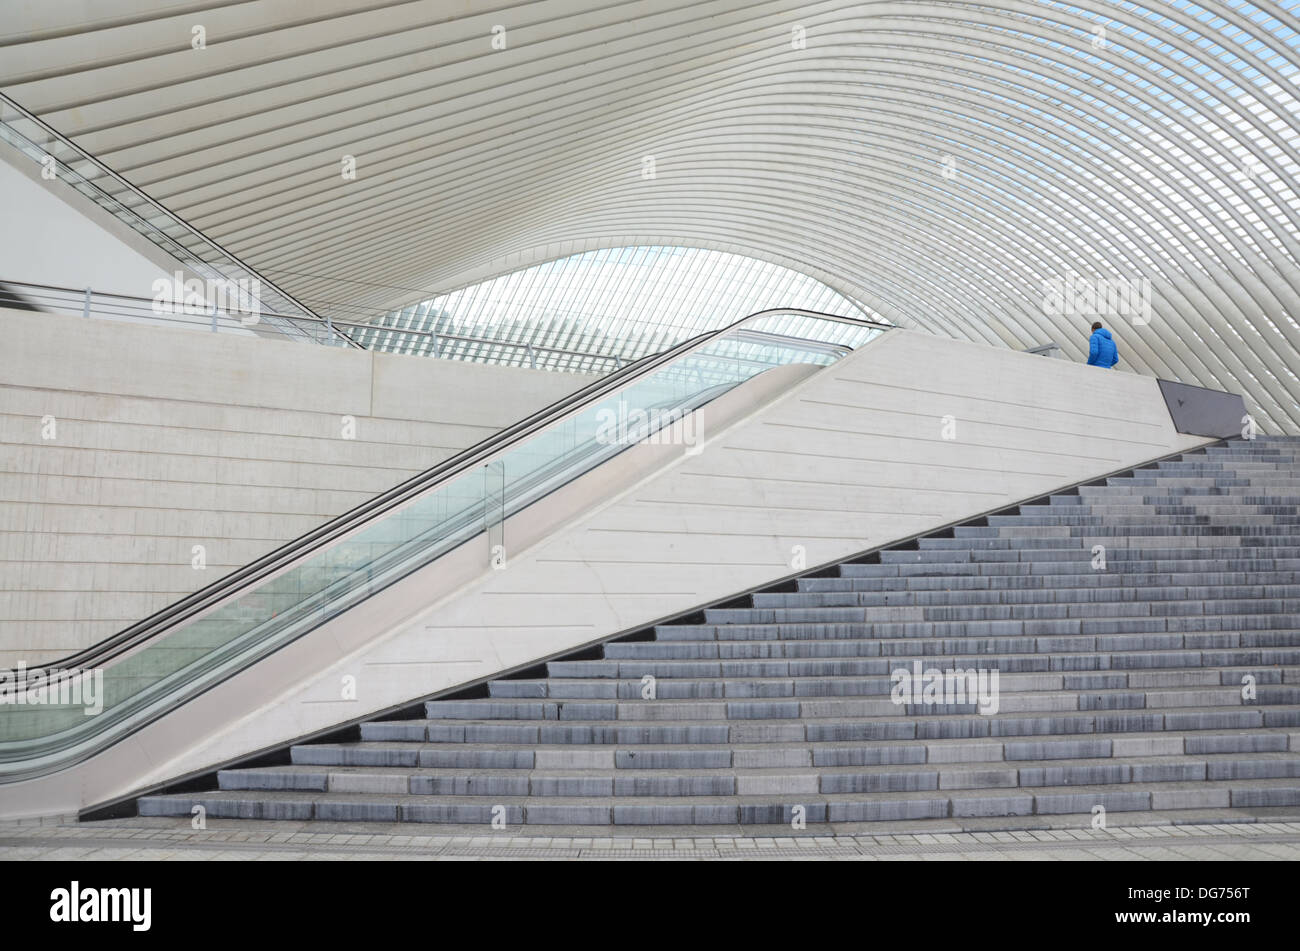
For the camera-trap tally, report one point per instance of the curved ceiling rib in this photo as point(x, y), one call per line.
point(940, 163)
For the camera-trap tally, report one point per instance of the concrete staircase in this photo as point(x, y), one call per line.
point(1120, 686)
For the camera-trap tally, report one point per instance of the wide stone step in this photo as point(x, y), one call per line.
point(1030, 537)
point(751, 688)
point(791, 706)
point(628, 781)
point(922, 723)
point(790, 663)
point(1124, 552)
point(1193, 486)
point(762, 641)
point(1195, 525)
point(857, 658)
point(501, 756)
point(986, 596)
point(1042, 627)
point(889, 581)
point(726, 810)
point(1150, 505)
point(404, 744)
point(693, 642)
point(1226, 478)
point(1135, 607)
point(1239, 562)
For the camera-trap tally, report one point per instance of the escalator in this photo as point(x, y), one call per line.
point(153, 668)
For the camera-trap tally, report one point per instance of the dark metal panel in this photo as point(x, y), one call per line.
point(1201, 412)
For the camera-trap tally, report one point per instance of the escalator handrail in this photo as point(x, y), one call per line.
point(230, 585)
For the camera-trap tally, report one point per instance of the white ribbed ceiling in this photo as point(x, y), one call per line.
point(937, 162)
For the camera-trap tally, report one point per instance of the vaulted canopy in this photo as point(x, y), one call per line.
point(1005, 172)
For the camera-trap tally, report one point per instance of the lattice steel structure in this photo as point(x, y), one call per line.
point(596, 310)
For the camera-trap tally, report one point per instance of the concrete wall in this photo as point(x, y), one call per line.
point(850, 457)
point(54, 235)
point(165, 439)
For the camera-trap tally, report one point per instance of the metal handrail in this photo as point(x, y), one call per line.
point(84, 300)
point(140, 223)
point(284, 557)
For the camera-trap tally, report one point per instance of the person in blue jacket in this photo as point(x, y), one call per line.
point(1101, 348)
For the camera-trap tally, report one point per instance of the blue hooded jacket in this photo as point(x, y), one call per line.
point(1101, 349)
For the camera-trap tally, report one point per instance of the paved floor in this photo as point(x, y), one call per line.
point(137, 839)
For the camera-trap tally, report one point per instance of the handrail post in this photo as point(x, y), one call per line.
point(85, 307)
point(214, 316)
point(532, 361)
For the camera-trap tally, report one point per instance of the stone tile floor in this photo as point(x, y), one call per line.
point(152, 840)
